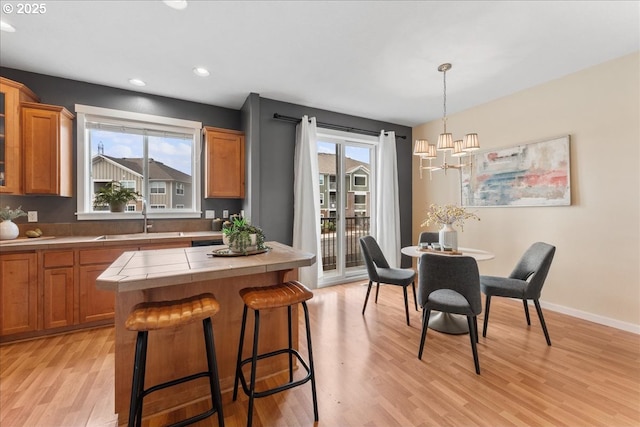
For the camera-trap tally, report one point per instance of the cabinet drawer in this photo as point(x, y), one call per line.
point(103, 256)
point(58, 259)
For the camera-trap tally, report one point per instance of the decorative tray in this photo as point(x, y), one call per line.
point(433, 251)
point(227, 252)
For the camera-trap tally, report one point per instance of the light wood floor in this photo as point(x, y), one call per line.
point(369, 374)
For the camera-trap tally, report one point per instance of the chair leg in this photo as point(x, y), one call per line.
point(377, 290)
point(526, 311)
point(475, 327)
point(367, 297)
point(239, 360)
point(425, 325)
point(473, 338)
point(487, 304)
point(544, 325)
point(254, 367)
point(406, 304)
point(415, 298)
point(135, 405)
point(214, 378)
point(290, 344)
point(311, 367)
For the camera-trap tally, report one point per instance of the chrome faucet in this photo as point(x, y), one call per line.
point(147, 226)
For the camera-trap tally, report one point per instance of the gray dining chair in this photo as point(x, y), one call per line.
point(525, 282)
point(450, 284)
point(429, 237)
point(380, 272)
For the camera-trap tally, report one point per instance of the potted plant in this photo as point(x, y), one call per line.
point(8, 229)
point(114, 195)
point(242, 237)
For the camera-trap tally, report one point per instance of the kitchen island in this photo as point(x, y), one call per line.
point(168, 274)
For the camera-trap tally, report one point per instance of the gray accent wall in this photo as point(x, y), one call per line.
point(270, 146)
point(277, 147)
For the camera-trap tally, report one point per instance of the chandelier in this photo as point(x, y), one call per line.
point(458, 148)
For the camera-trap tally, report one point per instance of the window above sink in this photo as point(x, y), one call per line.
point(152, 155)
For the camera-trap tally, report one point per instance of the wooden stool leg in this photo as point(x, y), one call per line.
point(239, 361)
point(214, 379)
point(135, 405)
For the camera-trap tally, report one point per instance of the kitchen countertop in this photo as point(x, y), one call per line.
point(23, 244)
point(139, 270)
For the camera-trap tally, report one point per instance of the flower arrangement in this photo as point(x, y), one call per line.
point(8, 214)
point(447, 214)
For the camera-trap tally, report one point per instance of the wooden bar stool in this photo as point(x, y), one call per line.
point(259, 298)
point(149, 316)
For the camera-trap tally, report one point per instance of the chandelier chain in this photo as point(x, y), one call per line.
point(444, 107)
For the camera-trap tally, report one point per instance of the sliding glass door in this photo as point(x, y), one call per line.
point(347, 192)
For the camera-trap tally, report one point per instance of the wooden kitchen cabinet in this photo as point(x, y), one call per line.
point(224, 163)
point(58, 289)
point(48, 149)
point(11, 95)
point(96, 304)
point(18, 293)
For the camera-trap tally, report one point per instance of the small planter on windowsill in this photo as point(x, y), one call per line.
point(242, 237)
point(114, 195)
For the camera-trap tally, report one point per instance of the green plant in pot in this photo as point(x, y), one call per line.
point(242, 237)
point(114, 195)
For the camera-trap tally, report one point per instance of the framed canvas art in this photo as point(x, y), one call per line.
point(533, 174)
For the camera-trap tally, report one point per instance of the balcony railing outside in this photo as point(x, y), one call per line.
point(356, 227)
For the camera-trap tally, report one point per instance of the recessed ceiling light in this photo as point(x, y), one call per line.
point(137, 82)
point(5, 26)
point(201, 71)
point(176, 4)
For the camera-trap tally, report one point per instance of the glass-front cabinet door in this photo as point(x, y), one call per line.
point(11, 95)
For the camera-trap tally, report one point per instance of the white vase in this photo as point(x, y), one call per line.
point(448, 237)
point(8, 230)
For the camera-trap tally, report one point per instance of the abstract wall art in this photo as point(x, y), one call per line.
point(533, 174)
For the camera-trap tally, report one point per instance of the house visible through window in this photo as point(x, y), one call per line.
point(154, 156)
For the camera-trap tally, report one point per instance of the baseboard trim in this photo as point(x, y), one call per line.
point(602, 320)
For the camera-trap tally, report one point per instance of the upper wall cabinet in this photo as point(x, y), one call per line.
point(224, 163)
point(11, 95)
point(47, 143)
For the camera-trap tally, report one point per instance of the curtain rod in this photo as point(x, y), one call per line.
point(332, 126)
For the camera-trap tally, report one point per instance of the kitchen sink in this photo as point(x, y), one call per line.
point(140, 235)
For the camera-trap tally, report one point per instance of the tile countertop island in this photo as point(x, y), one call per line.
point(168, 274)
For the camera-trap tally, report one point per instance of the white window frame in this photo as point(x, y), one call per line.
point(157, 185)
point(357, 175)
point(321, 198)
point(85, 113)
point(180, 189)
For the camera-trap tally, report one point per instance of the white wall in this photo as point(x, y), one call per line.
point(595, 273)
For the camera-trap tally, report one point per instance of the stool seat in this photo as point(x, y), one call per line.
point(266, 297)
point(148, 316)
point(281, 295)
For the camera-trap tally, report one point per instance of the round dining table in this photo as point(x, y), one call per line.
point(447, 322)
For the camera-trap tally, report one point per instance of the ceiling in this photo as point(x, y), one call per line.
point(375, 59)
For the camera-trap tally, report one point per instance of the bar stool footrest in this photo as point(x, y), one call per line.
point(283, 387)
point(177, 381)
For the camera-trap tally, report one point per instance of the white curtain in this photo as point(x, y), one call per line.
point(387, 203)
point(306, 200)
